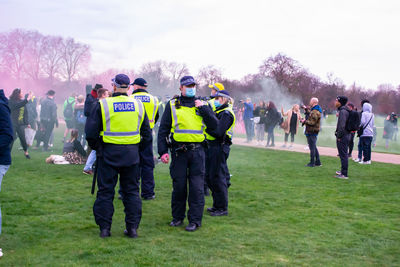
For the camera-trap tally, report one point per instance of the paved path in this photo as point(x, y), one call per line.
point(324, 151)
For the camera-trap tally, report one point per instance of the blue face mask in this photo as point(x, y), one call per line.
point(190, 91)
point(217, 104)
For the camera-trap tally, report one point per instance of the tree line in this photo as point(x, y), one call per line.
point(39, 62)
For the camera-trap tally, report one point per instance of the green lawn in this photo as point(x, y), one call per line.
point(281, 213)
point(327, 136)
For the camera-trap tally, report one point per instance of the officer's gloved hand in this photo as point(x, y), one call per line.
point(165, 158)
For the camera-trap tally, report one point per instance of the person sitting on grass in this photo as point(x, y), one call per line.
point(73, 152)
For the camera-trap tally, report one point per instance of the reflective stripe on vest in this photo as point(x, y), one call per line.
point(229, 131)
point(187, 126)
point(212, 104)
point(122, 117)
point(150, 105)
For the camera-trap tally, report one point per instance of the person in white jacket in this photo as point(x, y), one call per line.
point(367, 128)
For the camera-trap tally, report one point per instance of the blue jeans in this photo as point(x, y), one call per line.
point(249, 125)
point(314, 154)
point(3, 170)
point(270, 136)
point(90, 161)
point(366, 147)
point(360, 149)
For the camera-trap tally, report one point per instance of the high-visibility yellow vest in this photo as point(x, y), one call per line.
point(212, 104)
point(122, 118)
point(150, 105)
point(229, 132)
point(187, 125)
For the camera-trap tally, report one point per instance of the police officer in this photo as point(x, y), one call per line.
point(151, 105)
point(216, 87)
point(185, 119)
point(219, 141)
point(114, 129)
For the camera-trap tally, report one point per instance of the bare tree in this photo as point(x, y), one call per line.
point(34, 55)
point(13, 50)
point(209, 75)
point(175, 71)
point(75, 56)
point(52, 58)
point(154, 74)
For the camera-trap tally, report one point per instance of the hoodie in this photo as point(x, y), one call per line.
point(366, 124)
point(6, 130)
point(341, 130)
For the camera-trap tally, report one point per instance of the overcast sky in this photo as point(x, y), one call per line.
point(358, 41)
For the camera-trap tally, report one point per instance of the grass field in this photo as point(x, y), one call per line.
point(281, 213)
point(327, 136)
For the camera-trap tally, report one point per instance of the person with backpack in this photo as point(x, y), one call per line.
point(352, 108)
point(366, 133)
point(80, 118)
point(68, 112)
point(343, 135)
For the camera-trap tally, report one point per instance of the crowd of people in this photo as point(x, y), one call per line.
point(194, 133)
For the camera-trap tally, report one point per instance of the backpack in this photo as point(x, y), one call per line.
point(353, 121)
point(68, 111)
point(80, 117)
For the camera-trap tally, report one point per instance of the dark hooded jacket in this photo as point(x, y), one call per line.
point(19, 112)
point(341, 130)
point(6, 130)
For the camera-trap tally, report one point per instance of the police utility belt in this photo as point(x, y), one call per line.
point(184, 147)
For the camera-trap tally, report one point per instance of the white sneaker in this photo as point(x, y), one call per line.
point(1, 253)
point(338, 172)
point(365, 162)
point(357, 160)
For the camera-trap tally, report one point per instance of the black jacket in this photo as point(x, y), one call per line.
point(6, 130)
point(48, 111)
point(32, 112)
point(272, 118)
point(260, 112)
point(16, 106)
point(225, 120)
point(114, 155)
point(164, 131)
point(341, 123)
point(90, 103)
point(74, 146)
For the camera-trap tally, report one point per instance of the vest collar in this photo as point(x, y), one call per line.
point(222, 107)
point(118, 94)
point(139, 91)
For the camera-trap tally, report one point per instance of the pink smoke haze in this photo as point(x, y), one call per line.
point(34, 62)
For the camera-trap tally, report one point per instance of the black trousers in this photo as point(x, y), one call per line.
point(291, 136)
point(107, 177)
point(147, 170)
point(188, 168)
point(351, 143)
point(216, 174)
point(48, 129)
point(20, 131)
point(314, 154)
point(343, 148)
